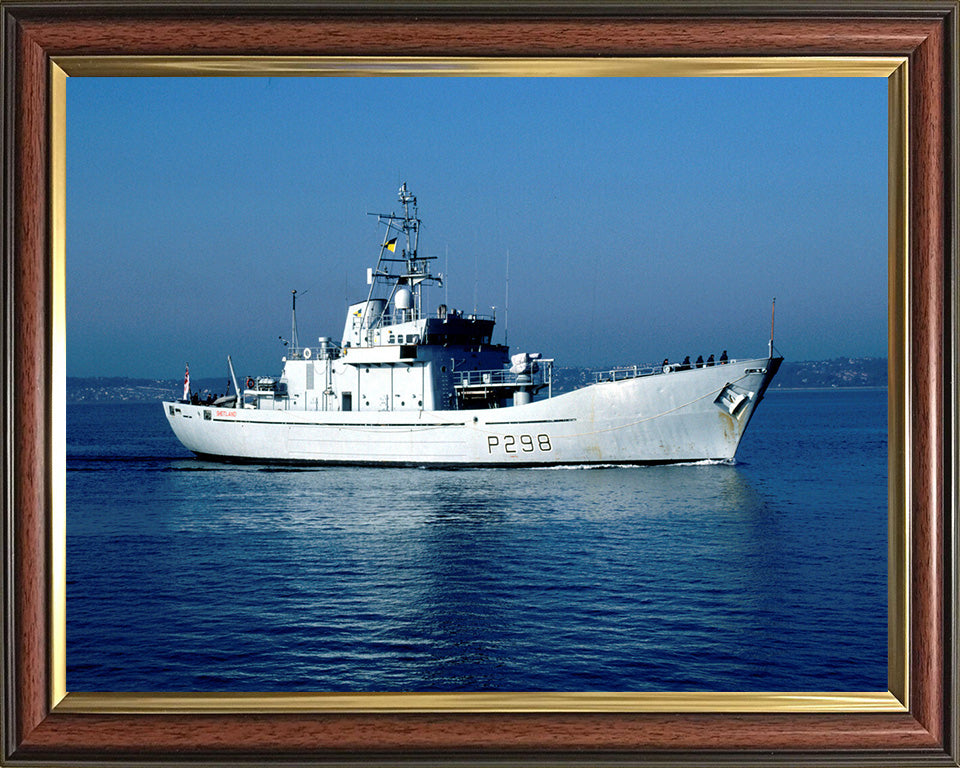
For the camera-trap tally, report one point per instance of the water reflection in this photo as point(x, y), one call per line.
point(620, 578)
point(514, 579)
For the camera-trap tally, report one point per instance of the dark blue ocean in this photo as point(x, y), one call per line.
point(769, 574)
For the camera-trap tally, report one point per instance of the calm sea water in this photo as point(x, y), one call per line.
point(769, 574)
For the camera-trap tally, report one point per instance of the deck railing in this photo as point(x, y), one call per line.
point(386, 322)
point(504, 377)
point(401, 316)
point(648, 369)
point(626, 372)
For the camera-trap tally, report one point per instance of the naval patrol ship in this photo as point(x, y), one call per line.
point(412, 386)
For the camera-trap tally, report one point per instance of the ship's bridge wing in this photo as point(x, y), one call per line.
point(459, 330)
point(368, 324)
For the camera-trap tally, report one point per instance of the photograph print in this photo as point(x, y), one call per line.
point(461, 384)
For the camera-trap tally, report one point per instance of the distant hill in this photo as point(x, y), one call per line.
point(840, 372)
point(117, 389)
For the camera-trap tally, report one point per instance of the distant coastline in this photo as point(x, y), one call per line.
point(839, 373)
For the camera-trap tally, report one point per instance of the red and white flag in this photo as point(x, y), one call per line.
point(186, 383)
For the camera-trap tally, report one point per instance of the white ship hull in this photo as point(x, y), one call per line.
point(407, 386)
point(682, 416)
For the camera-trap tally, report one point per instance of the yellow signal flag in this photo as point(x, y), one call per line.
point(391, 245)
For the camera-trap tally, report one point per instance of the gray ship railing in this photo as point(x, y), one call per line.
point(635, 371)
point(503, 377)
point(386, 322)
point(401, 316)
point(626, 372)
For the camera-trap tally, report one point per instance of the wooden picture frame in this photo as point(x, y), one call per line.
point(915, 723)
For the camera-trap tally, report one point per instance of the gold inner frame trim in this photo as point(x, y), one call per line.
point(898, 646)
point(899, 434)
point(431, 66)
point(58, 382)
point(383, 703)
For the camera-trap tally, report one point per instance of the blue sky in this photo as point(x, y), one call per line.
point(644, 218)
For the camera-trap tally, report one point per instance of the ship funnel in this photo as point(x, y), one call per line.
point(360, 317)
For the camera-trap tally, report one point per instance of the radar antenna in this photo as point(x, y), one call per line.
point(407, 268)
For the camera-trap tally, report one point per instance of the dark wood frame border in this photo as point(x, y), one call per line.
point(33, 733)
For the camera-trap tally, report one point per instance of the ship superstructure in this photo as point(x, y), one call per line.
point(408, 385)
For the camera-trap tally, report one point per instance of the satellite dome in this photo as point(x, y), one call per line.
point(403, 299)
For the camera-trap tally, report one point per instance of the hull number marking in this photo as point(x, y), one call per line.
point(519, 443)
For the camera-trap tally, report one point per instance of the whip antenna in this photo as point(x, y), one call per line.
point(506, 307)
point(773, 308)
